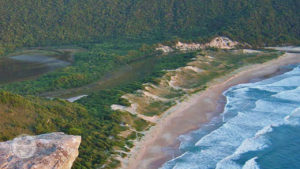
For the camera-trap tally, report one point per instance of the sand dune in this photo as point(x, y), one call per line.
point(191, 114)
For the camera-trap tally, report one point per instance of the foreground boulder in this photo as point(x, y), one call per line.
point(47, 151)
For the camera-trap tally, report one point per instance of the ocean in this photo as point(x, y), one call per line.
point(259, 129)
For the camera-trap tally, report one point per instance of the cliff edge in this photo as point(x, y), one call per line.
point(47, 151)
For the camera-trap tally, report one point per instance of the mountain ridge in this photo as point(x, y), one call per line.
point(40, 23)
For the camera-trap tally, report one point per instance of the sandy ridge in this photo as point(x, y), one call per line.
point(190, 114)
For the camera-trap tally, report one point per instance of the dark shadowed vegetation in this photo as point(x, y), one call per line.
point(40, 23)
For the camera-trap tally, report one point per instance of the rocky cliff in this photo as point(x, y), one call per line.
point(222, 43)
point(217, 42)
point(47, 151)
point(164, 49)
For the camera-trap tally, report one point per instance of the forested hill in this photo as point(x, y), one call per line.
point(45, 22)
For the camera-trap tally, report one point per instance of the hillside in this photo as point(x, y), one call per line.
point(39, 22)
point(141, 55)
point(107, 134)
point(99, 129)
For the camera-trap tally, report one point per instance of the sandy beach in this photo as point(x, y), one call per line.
point(196, 110)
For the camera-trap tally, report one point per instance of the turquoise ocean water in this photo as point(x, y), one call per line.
point(259, 129)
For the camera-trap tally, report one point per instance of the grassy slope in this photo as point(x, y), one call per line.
point(91, 118)
point(88, 66)
point(32, 115)
point(220, 62)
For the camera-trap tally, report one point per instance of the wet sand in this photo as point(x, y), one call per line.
point(152, 151)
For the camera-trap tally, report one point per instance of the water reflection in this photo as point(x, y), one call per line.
point(23, 67)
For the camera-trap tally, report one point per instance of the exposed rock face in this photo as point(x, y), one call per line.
point(218, 42)
point(47, 151)
point(188, 46)
point(164, 49)
point(222, 43)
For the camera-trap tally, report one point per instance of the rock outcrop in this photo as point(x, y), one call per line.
point(47, 151)
point(218, 42)
point(222, 43)
point(188, 46)
point(164, 49)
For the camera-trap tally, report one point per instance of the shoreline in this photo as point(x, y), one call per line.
point(196, 110)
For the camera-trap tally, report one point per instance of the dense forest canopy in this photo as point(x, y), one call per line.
point(44, 22)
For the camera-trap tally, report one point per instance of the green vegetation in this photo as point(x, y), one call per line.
point(38, 22)
point(225, 62)
point(91, 117)
point(88, 66)
point(100, 101)
point(211, 63)
point(98, 127)
point(35, 116)
point(157, 108)
point(116, 33)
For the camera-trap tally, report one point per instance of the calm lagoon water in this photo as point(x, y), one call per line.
point(23, 67)
point(259, 129)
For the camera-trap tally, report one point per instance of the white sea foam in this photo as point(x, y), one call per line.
point(252, 115)
point(258, 142)
point(290, 81)
point(273, 106)
point(265, 130)
point(294, 118)
point(270, 88)
point(291, 95)
point(187, 140)
point(251, 164)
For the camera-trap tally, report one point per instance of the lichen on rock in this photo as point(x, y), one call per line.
point(47, 151)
